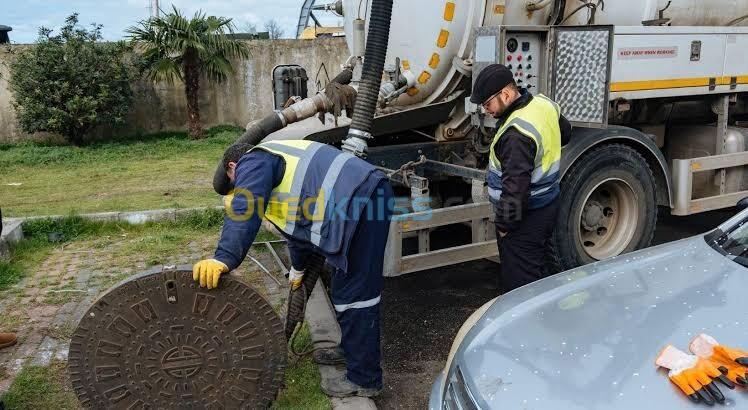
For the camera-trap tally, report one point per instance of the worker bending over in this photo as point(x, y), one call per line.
point(523, 177)
point(326, 201)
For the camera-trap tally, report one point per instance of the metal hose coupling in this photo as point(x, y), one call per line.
point(356, 143)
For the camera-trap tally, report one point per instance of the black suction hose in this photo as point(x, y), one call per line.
point(371, 79)
point(257, 132)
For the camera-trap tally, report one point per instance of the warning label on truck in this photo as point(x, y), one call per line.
point(637, 53)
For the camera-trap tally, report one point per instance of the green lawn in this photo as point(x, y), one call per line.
point(302, 389)
point(38, 387)
point(158, 171)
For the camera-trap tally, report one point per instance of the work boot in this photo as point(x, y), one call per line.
point(342, 387)
point(7, 339)
point(330, 356)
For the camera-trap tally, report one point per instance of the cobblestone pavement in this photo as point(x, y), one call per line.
point(44, 308)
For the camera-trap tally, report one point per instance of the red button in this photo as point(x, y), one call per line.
point(519, 57)
point(509, 58)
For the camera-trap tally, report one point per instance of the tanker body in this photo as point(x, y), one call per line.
point(670, 130)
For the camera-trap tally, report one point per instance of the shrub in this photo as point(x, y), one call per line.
point(70, 83)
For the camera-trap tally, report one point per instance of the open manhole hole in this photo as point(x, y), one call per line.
point(157, 340)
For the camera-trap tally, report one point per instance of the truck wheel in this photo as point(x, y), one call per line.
point(609, 207)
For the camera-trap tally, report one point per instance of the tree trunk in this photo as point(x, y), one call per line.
point(191, 88)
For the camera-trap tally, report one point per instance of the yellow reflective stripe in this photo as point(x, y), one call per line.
point(434, 62)
point(441, 42)
point(424, 77)
point(449, 11)
point(645, 85)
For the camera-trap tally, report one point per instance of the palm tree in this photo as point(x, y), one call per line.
point(177, 48)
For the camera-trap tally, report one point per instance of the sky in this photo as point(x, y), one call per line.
point(26, 16)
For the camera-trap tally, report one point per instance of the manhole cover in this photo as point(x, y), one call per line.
point(159, 341)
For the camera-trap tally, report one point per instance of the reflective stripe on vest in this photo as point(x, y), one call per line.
point(327, 187)
point(538, 120)
point(317, 178)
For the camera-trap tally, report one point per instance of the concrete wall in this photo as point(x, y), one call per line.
point(246, 96)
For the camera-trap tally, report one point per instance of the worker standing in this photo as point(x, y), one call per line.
point(523, 178)
point(326, 201)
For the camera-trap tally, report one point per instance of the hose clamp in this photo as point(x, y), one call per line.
point(282, 117)
point(355, 145)
point(359, 133)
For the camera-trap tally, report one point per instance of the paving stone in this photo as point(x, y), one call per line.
point(353, 403)
point(43, 312)
point(148, 216)
point(46, 351)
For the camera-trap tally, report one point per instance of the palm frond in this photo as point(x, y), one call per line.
point(165, 69)
point(168, 41)
point(217, 68)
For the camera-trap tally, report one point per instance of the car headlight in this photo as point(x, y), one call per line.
point(469, 323)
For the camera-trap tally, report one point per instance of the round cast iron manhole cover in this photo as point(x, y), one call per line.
point(158, 340)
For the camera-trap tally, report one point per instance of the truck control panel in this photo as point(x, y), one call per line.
point(521, 56)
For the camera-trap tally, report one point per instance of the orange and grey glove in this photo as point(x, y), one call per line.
point(692, 374)
point(295, 278)
point(208, 271)
point(731, 362)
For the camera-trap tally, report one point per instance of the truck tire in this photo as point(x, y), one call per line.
point(609, 207)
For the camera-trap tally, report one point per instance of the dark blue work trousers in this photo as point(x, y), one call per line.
point(523, 250)
point(356, 294)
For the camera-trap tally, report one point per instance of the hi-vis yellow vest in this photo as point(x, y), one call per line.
point(538, 120)
point(317, 179)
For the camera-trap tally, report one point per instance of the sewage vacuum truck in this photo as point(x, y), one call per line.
point(655, 91)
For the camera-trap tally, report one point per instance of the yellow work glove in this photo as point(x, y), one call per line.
point(295, 278)
point(731, 362)
point(208, 271)
point(692, 374)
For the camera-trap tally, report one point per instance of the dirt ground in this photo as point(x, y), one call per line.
point(422, 313)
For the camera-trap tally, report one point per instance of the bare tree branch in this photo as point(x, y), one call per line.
point(274, 29)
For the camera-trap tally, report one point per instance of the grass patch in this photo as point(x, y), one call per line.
point(62, 295)
point(62, 332)
point(159, 171)
point(10, 274)
point(302, 389)
point(10, 322)
point(38, 387)
point(153, 241)
point(25, 257)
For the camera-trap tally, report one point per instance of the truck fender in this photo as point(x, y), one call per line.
point(583, 139)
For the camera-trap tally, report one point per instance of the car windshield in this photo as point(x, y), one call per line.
point(734, 243)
